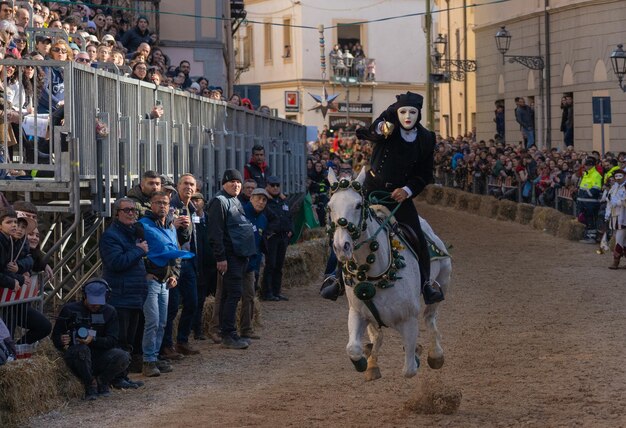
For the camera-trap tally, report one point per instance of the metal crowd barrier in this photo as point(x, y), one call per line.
point(14, 305)
point(563, 200)
point(195, 135)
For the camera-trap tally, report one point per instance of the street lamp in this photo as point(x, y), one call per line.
point(462, 65)
point(503, 43)
point(618, 61)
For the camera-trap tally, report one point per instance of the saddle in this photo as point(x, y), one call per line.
point(408, 236)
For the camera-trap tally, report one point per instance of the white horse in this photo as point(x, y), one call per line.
point(375, 297)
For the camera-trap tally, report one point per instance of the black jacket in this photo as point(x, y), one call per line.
point(104, 322)
point(396, 163)
point(7, 248)
point(230, 232)
point(279, 219)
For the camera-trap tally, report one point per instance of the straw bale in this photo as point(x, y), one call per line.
point(547, 219)
point(507, 210)
point(488, 207)
point(570, 228)
point(524, 213)
point(304, 262)
point(473, 203)
point(462, 201)
point(310, 234)
point(450, 196)
point(36, 385)
point(434, 195)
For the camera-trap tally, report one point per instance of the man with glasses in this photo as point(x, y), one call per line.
point(122, 249)
point(82, 58)
point(246, 191)
point(277, 234)
point(163, 270)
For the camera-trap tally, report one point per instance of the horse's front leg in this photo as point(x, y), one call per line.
point(356, 327)
point(409, 332)
point(376, 337)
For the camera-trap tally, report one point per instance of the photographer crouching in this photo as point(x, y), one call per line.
point(86, 332)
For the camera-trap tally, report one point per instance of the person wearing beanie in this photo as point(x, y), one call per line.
point(231, 237)
point(194, 88)
point(402, 164)
point(137, 35)
point(615, 214)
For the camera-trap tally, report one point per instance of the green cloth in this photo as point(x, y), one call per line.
point(304, 218)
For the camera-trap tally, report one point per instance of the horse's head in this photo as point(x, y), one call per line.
point(347, 213)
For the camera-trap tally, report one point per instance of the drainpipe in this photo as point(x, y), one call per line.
point(465, 94)
point(546, 20)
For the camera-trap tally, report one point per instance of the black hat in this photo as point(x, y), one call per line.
point(272, 179)
point(230, 175)
point(39, 39)
point(590, 161)
point(410, 99)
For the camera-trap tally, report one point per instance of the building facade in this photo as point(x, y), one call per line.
point(455, 99)
point(574, 39)
point(279, 49)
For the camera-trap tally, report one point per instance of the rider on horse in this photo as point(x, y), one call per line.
point(402, 164)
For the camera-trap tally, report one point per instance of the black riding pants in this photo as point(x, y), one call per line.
point(407, 214)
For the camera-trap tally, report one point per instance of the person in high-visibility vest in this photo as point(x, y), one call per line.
point(588, 199)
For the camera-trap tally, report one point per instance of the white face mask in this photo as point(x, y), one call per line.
point(408, 116)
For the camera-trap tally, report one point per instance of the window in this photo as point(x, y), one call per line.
point(268, 42)
point(248, 46)
point(287, 39)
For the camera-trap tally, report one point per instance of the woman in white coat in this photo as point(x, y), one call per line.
point(616, 215)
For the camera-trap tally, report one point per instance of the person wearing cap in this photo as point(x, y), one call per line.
point(402, 164)
point(186, 290)
point(194, 88)
point(232, 239)
point(122, 250)
point(256, 168)
point(615, 214)
point(588, 199)
point(86, 332)
point(109, 40)
point(277, 234)
point(150, 183)
point(207, 270)
point(254, 210)
point(42, 45)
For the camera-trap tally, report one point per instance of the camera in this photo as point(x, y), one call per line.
point(78, 327)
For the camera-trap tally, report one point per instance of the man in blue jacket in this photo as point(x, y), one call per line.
point(254, 213)
point(122, 249)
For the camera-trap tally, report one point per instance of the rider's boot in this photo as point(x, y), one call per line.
point(331, 288)
point(430, 289)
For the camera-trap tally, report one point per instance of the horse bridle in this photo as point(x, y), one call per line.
point(353, 229)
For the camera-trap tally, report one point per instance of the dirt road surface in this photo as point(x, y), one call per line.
point(533, 333)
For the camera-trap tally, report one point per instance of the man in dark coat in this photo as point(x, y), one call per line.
point(122, 249)
point(137, 35)
point(277, 234)
point(150, 182)
point(232, 239)
point(402, 163)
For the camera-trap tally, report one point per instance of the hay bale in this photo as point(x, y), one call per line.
point(450, 196)
point(462, 201)
point(309, 234)
point(507, 210)
point(304, 261)
point(35, 385)
point(570, 228)
point(524, 213)
point(434, 194)
point(547, 219)
point(473, 203)
point(488, 207)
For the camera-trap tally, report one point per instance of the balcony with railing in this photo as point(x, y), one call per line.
point(348, 70)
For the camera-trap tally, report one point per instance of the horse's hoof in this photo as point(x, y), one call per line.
point(372, 374)
point(435, 363)
point(360, 365)
point(368, 350)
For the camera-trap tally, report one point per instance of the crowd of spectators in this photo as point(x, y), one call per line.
point(158, 255)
